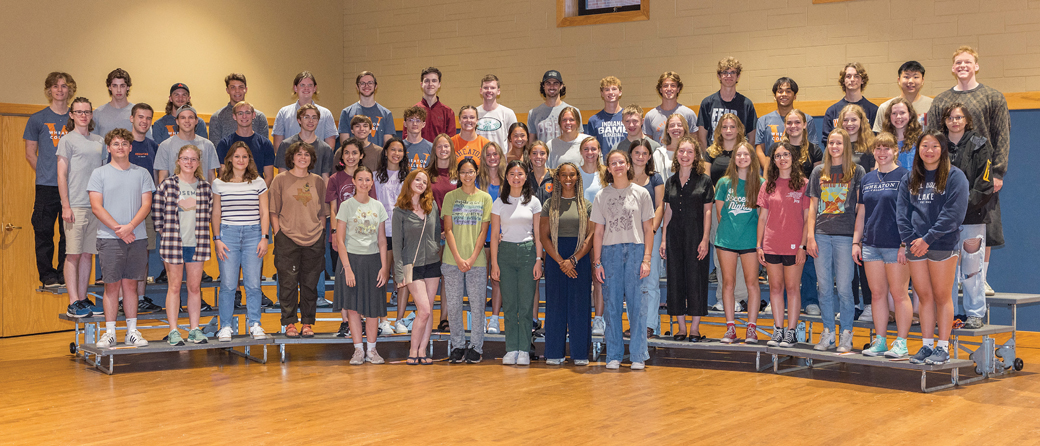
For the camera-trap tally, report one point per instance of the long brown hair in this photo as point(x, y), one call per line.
point(865, 136)
point(716, 147)
point(431, 168)
point(848, 168)
point(228, 173)
point(698, 161)
point(666, 139)
point(941, 173)
point(803, 155)
point(644, 143)
point(404, 200)
point(753, 182)
point(913, 126)
point(484, 172)
point(773, 171)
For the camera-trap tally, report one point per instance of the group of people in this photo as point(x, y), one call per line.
point(902, 192)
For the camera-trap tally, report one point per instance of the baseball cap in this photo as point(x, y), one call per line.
point(179, 85)
point(551, 74)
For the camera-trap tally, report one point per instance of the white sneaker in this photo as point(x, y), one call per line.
point(613, 365)
point(385, 329)
point(812, 310)
point(359, 357)
point(826, 340)
point(581, 362)
point(557, 361)
point(134, 338)
point(257, 332)
point(598, 326)
point(768, 308)
point(523, 358)
point(866, 315)
point(638, 366)
point(719, 306)
point(492, 325)
point(845, 341)
point(108, 340)
point(989, 290)
point(510, 358)
point(401, 328)
point(374, 358)
point(224, 335)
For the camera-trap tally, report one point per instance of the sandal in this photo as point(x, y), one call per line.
point(412, 360)
point(307, 331)
point(696, 337)
point(443, 326)
point(425, 360)
point(290, 331)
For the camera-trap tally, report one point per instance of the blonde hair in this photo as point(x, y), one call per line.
point(666, 139)
point(483, 173)
point(198, 153)
point(753, 182)
point(865, 136)
point(716, 147)
point(847, 166)
point(965, 49)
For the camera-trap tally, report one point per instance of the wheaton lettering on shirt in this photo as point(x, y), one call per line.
point(46, 128)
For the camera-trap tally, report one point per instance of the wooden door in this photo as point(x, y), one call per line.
point(23, 310)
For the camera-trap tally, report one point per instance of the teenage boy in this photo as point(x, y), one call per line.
point(307, 118)
point(416, 148)
point(42, 134)
point(543, 120)
point(669, 85)
point(360, 127)
point(494, 119)
point(439, 117)
point(382, 120)
point(726, 100)
point(853, 80)
point(142, 154)
point(79, 153)
point(116, 113)
point(167, 126)
point(770, 127)
point(263, 151)
point(606, 125)
point(223, 122)
point(910, 79)
point(632, 118)
point(121, 197)
point(166, 155)
point(287, 124)
point(990, 118)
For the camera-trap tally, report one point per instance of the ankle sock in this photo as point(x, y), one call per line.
point(929, 342)
point(110, 328)
point(371, 347)
point(943, 344)
point(358, 346)
point(131, 323)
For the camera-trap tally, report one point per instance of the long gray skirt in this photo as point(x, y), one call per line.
point(365, 297)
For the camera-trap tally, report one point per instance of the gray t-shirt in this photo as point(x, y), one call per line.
point(286, 125)
point(186, 205)
point(569, 218)
point(166, 156)
point(770, 129)
point(108, 118)
point(84, 154)
point(622, 213)
point(382, 121)
point(655, 120)
point(836, 210)
point(322, 154)
point(418, 153)
point(543, 122)
point(46, 128)
point(561, 151)
point(121, 192)
point(166, 127)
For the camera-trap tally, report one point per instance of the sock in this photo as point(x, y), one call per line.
point(110, 328)
point(943, 344)
point(728, 323)
point(371, 346)
point(140, 298)
point(131, 323)
point(358, 346)
point(929, 342)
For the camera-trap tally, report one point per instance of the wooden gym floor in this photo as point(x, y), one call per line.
point(683, 397)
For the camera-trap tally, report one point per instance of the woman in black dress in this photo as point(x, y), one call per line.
point(688, 197)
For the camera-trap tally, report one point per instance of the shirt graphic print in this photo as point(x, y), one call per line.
point(833, 196)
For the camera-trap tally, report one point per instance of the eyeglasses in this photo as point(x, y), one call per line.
point(309, 118)
point(243, 113)
point(188, 159)
point(955, 118)
point(82, 112)
point(781, 156)
point(366, 84)
point(467, 172)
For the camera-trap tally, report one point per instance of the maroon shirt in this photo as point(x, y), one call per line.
point(443, 185)
point(439, 119)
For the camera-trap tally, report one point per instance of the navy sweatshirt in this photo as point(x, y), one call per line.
point(932, 216)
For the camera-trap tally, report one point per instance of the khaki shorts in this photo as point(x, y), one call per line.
point(81, 236)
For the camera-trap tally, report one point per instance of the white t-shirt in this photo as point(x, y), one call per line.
point(494, 124)
point(622, 213)
point(517, 219)
point(561, 151)
point(387, 194)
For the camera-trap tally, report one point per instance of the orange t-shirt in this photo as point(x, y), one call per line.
point(468, 149)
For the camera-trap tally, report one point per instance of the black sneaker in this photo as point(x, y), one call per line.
point(457, 355)
point(939, 356)
point(238, 300)
point(344, 330)
point(472, 357)
point(713, 278)
point(145, 305)
point(536, 324)
point(206, 306)
point(162, 277)
point(763, 276)
point(921, 355)
point(51, 282)
point(206, 277)
point(265, 302)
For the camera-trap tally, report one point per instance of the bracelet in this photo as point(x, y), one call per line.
point(597, 265)
point(646, 262)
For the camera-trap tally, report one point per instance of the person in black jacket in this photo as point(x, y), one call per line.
point(971, 153)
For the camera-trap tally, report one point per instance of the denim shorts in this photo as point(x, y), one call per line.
point(887, 255)
point(933, 255)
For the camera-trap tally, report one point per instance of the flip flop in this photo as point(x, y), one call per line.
point(412, 360)
point(425, 360)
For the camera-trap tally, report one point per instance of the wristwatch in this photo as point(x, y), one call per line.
point(216, 237)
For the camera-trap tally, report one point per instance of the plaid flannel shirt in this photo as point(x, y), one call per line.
point(167, 222)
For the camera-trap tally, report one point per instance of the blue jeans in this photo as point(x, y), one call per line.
point(621, 264)
point(241, 242)
point(809, 293)
point(834, 264)
point(969, 273)
point(652, 286)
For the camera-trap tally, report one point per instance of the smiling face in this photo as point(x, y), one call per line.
point(468, 120)
point(236, 91)
point(430, 84)
point(552, 88)
point(59, 92)
point(186, 121)
point(686, 154)
point(395, 153)
point(414, 125)
point(956, 122)
point(491, 157)
point(633, 123)
point(930, 152)
point(442, 150)
point(468, 174)
point(188, 161)
point(965, 66)
point(640, 156)
point(618, 165)
point(742, 156)
point(142, 120)
point(835, 146)
point(729, 130)
point(489, 90)
point(899, 115)
point(784, 95)
point(516, 178)
point(793, 125)
point(850, 123)
point(309, 120)
point(910, 82)
point(363, 183)
point(305, 90)
point(538, 156)
point(610, 93)
point(590, 151)
point(669, 90)
point(244, 116)
point(360, 130)
point(419, 184)
point(568, 178)
point(518, 139)
point(782, 158)
point(302, 159)
point(179, 97)
point(351, 155)
point(729, 78)
point(119, 148)
point(240, 160)
point(366, 86)
point(885, 155)
point(674, 127)
point(568, 123)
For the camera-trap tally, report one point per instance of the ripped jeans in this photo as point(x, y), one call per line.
point(969, 271)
